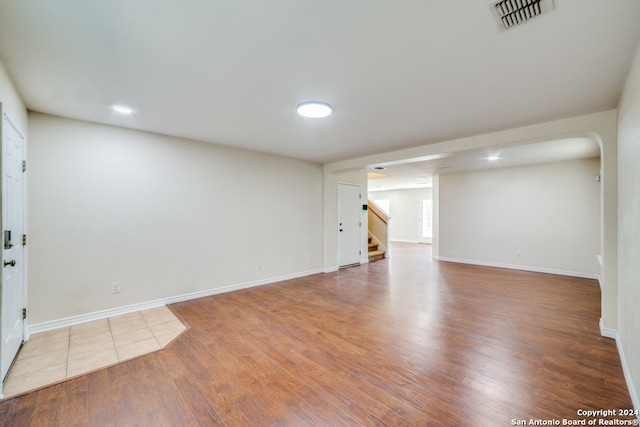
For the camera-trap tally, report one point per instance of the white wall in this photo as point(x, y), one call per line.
point(403, 226)
point(550, 213)
point(629, 228)
point(162, 216)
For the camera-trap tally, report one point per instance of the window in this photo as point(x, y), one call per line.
point(426, 216)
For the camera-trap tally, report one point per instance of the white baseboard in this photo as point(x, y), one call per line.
point(83, 318)
point(628, 379)
point(606, 332)
point(521, 267)
point(403, 241)
point(610, 333)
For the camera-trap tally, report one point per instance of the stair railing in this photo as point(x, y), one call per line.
point(378, 225)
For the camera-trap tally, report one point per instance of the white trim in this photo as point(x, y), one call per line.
point(403, 241)
point(521, 267)
point(610, 333)
point(75, 320)
point(332, 269)
point(606, 332)
point(627, 377)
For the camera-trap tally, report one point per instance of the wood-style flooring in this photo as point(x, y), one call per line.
point(402, 341)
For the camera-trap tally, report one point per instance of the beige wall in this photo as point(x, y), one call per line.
point(629, 228)
point(162, 216)
point(549, 214)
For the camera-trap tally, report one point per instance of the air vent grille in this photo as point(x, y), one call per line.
point(514, 12)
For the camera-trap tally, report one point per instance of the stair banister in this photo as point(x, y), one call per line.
point(378, 225)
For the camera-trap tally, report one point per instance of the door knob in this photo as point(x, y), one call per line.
point(11, 263)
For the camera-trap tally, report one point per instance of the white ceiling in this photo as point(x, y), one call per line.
point(399, 73)
point(418, 174)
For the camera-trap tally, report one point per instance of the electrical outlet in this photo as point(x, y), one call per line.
point(115, 288)
point(519, 254)
point(309, 257)
point(258, 267)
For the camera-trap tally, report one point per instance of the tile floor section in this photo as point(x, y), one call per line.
point(54, 356)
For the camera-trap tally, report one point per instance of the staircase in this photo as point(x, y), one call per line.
point(375, 253)
point(378, 224)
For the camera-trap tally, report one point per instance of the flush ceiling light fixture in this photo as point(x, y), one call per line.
point(314, 109)
point(493, 158)
point(121, 109)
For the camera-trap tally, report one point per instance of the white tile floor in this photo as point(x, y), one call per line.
point(54, 356)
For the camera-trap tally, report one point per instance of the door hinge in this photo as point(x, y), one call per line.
point(359, 252)
point(360, 224)
point(24, 166)
point(24, 313)
point(24, 240)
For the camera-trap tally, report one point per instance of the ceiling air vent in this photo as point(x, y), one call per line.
point(510, 13)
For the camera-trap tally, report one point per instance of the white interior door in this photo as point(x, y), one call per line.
point(13, 283)
point(348, 224)
point(425, 221)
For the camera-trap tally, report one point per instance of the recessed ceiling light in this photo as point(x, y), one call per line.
point(493, 158)
point(314, 109)
point(122, 109)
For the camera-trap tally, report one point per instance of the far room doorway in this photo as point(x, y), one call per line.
point(425, 220)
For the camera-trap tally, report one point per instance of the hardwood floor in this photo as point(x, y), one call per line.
point(402, 341)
